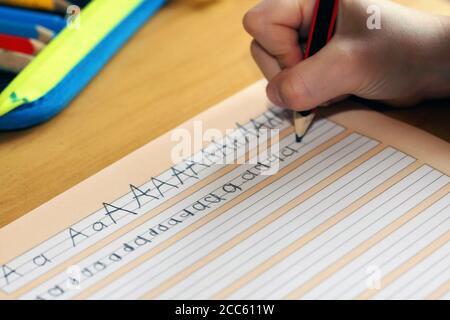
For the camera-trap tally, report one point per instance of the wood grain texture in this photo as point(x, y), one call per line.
point(186, 59)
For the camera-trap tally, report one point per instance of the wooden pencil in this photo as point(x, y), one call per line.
point(14, 62)
point(26, 30)
point(50, 21)
point(321, 31)
point(44, 35)
point(48, 5)
point(19, 44)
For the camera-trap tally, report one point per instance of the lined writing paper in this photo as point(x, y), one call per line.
point(359, 210)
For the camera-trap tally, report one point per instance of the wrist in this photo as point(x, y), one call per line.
point(436, 64)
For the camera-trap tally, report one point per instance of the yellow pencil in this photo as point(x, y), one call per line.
point(49, 5)
point(14, 62)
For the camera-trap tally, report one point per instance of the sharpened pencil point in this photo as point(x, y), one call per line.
point(302, 121)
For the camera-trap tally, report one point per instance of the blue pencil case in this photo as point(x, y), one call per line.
point(48, 84)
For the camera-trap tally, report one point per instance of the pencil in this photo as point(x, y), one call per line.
point(14, 62)
point(19, 44)
point(25, 30)
point(321, 31)
point(47, 20)
point(49, 5)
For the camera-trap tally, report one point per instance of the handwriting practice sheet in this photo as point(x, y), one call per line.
point(360, 209)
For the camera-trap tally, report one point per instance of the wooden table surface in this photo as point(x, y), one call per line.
point(183, 61)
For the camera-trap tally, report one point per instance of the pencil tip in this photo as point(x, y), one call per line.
point(298, 139)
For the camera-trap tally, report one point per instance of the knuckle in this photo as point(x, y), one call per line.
point(353, 64)
point(352, 55)
point(291, 92)
point(254, 21)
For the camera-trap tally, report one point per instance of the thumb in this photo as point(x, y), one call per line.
point(314, 81)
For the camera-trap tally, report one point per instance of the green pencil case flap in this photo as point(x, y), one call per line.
point(71, 60)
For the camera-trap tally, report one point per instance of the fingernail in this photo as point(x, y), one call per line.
point(274, 95)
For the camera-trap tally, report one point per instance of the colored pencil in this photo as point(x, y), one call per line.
point(19, 44)
point(14, 62)
point(321, 31)
point(49, 5)
point(49, 21)
point(26, 30)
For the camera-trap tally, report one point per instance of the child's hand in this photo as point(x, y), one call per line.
point(407, 60)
